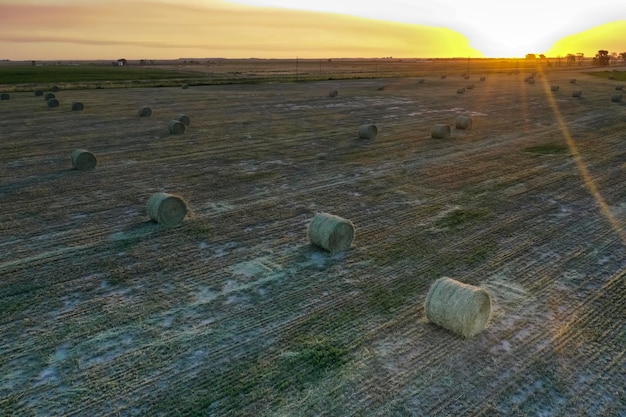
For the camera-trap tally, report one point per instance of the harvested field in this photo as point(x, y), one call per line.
point(235, 313)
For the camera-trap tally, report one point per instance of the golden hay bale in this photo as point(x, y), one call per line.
point(166, 209)
point(368, 131)
point(144, 111)
point(554, 88)
point(461, 308)
point(176, 127)
point(619, 87)
point(483, 78)
point(184, 119)
point(444, 76)
point(463, 122)
point(531, 81)
point(78, 106)
point(470, 87)
point(440, 131)
point(616, 98)
point(572, 81)
point(38, 93)
point(5, 96)
point(577, 93)
point(83, 160)
point(421, 81)
point(331, 232)
point(333, 93)
point(460, 90)
point(53, 102)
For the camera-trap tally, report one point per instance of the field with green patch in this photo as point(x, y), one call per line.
point(234, 313)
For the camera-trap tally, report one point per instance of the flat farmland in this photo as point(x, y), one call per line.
point(235, 313)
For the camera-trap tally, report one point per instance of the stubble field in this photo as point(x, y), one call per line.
point(234, 313)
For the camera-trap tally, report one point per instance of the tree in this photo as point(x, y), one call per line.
point(623, 57)
point(570, 58)
point(531, 56)
point(603, 58)
point(580, 56)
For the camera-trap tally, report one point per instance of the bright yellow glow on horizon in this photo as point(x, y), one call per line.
point(169, 29)
point(601, 37)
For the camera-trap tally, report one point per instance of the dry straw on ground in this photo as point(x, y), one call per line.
point(78, 106)
point(83, 160)
point(463, 122)
point(460, 90)
point(577, 93)
point(166, 209)
point(184, 119)
point(176, 127)
point(333, 93)
point(461, 308)
point(331, 232)
point(440, 131)
point(368, 131)
point(144, 111)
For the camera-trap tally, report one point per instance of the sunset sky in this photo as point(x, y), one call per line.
point(163, 29)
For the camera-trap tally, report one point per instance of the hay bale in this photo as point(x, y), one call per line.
point(48, 96)
point(572, 81)
point(333, 93)
point(466, 77)
point(368, 131)
point(461, 308)
point(577, 93)
point(166, 209)
point(78, 106)
point(463, 122)
point(185, 86)
point(184, 119)
point(444, 76)
point(554, 88)
point(5, 96)
point(483, 78)
point(470, 87)
point(331, 232)
point(381, 88)
point(619, 87)
point(460, 90)
point(53, 102)
point(531, 81)
point(421, 81)
point(176, 127)
point(83, 160)
point(616, 98)
point(38, 93)
point(144, 111)
point(440, 131)
point(55, 89)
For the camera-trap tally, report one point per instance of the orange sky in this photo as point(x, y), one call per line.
point(162, 29)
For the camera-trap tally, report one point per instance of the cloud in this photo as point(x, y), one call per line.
point(163, 29)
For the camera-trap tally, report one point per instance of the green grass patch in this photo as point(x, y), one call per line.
point(548, 149)
point(616, 75)
point(50, 74)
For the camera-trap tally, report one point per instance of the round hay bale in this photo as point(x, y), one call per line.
point(185, 86)
point(577, 93)
point(381, 88)
point(421, 81)
point(616, 98)
point(333, 93)
point(176, 127)
point(466, 77)
point(572, 81)
point(144, 111)
point(554, 88)
point(78, 106)
point(619, 87)
point(5, 96)
point(331, 232)
point(83, 160)
point(463, 122)
point(483, 78)
point(444, 76)
point(166, 209)
point(440, 131)
point(531, 81)
point(38, 93)
point(184, 119)
point(460, 90)
point(470, 87)
point(368, 131)
point(55, 89)
point(461, 308)
point(48, 96)
point(53, 102)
